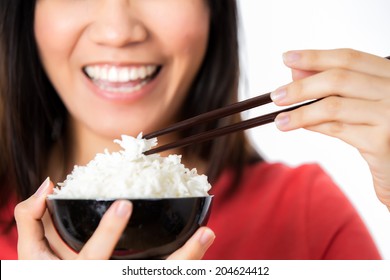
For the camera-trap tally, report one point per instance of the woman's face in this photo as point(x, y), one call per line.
point(121, 66)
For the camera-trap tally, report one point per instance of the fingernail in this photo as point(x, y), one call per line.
point(41, 190)
point(206, 237)
point(279, 94)
point(123, 208)
point(291, 57)
point(282, 120)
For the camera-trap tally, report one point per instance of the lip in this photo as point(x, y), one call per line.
point(118, 96)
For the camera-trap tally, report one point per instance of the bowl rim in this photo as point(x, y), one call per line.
point(53, 198)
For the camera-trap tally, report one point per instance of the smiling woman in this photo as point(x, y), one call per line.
point(58, 115)
point(81, 73)
point(139, 42)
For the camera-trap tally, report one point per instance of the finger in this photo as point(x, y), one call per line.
point(28, 214)
point(102, 243)
point(333, 109)
point(372, 143)
point(322, 60)
point(57, 244)
point(196, 246)
point(333, 82)
point(297, 74)
point(367, 139)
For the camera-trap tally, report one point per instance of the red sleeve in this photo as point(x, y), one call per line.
point(8, 232)
point(345, 236)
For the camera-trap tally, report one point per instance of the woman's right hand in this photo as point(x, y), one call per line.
point(33, 244)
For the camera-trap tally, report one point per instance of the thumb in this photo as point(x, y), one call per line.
point(196, 246)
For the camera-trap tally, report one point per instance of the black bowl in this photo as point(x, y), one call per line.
point(157, 227)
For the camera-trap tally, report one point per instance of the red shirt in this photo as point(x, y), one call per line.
point(277, 212)
point(8, 233)
point(286, 213)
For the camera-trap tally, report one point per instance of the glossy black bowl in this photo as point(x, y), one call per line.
point(157, 227)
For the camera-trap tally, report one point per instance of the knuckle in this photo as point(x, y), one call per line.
point(333, 106)
point(312, 57)
point(297, 117)
point(349, 57)
point(339, 78)
point(20, 211)
point(296, 89)
point(110, 227)
point(336, 128)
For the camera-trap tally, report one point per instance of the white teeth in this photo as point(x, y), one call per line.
point(102, 74)
point(90, 71)
point(115, 74)
point(133, 74)
point(150, 70)
point(123, 76)
point(142, 72)
point(123, 89)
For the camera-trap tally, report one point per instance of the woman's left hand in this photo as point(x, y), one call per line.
point(355, 108)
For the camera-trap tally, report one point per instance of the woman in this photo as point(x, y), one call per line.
point(78, 74)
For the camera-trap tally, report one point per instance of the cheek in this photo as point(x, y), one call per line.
point(192, 41)
point(56, 31)
point(56, 35)
point(185, 32)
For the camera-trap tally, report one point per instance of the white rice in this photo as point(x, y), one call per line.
point(131, 174)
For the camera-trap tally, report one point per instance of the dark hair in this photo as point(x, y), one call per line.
point(216, 86)
point(30, 109)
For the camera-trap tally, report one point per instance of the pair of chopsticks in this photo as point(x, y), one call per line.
point(217, 114)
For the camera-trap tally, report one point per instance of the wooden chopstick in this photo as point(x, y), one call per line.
point(214, 114)
point(208, 135)
point(220, 113)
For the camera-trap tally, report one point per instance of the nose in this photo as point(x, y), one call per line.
point(116, 25)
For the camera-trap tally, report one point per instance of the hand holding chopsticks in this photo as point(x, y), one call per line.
point(350, 93)
point(220, 113)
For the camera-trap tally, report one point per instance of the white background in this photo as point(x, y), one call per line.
point(273, 27)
